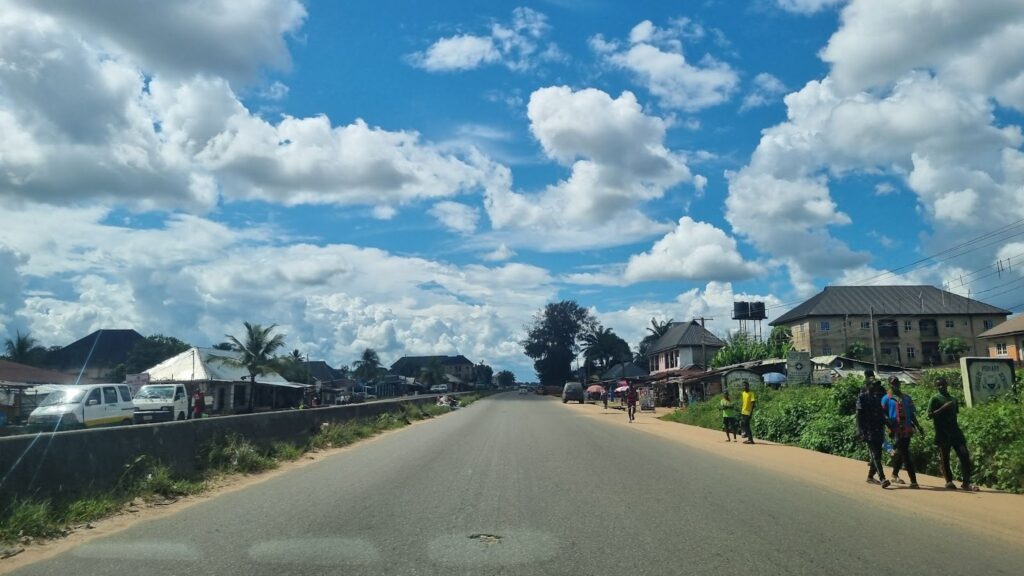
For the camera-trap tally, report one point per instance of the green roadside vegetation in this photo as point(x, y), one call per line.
point(230, 455)
point(824, 419)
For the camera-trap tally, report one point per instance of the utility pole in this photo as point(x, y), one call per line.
point(703, 344)
point(874, 348)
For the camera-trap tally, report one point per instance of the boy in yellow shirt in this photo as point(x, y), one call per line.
point(747, 402)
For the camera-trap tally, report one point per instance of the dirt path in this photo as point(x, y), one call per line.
point(990, 513)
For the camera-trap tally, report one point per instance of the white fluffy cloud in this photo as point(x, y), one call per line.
point(455, 216)
point(199, 279)
point(766, 90)
point(182, 38)
point(655, 57)
point(693, 251)
point(142, 138)
point(807, 6)
point(618, 161)
point(517, 44)
point(977, 45)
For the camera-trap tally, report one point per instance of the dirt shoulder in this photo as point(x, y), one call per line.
point(990, 513)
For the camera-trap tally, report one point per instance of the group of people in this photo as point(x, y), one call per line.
point(883, 417)
point(748, 399)
point(885, 420)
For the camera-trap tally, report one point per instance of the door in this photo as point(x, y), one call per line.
point(114, 408)
point(94, 412)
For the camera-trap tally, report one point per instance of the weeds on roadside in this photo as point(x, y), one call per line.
point(233, 453)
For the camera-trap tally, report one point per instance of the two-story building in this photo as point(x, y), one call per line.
point(683, 344)
point(458, 366)
point(904, 323)
point(1006, 340)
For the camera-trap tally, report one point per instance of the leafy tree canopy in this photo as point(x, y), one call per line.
point(552, 339)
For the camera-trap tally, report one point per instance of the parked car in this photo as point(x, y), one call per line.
point(87, 406)
point(524, 389)
point(439, 389)
point(161, 403)
point(572, 391)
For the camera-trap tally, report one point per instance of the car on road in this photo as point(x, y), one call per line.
point(524, 389)
point(572, 391)
point(87, 406)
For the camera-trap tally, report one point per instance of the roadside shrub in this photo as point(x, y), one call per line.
point(993, 433)
point(844, 394)
point(833, 434)
point(28, 518)
point(286, 451)
point(160, 482)
point(233, 453)
point(334, 435)
point(89, 509)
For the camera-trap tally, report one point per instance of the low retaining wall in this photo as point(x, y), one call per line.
point(62, 464)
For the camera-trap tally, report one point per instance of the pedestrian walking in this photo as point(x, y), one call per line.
point(631, 398)
point(198, 403)
point(871, 426)
point(747, 402)
point(604, 396)
point(901, 418)
point(728, 408)
point(943, 409)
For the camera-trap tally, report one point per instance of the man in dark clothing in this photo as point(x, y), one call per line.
point(943, 410)
point(631, 398)
point(871, 426)
point(901, 417)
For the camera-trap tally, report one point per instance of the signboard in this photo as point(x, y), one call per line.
point(984, 378)
point(734, 379)
point(136, 381)
point(798, 367)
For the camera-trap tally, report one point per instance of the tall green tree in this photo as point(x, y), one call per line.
point(953, 347)
point(152, 351)
point(654, 331)
point(256, 353)
point(857, 350)
point(740, 347)
point(483, 374)
point(551, 340)
point(294, 367)
point(24, 349)
point(368, 365)
point(780, 342)
point(603, 347)
point(506, 379)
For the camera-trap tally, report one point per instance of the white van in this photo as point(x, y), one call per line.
point(161, 403)
point(86, 406)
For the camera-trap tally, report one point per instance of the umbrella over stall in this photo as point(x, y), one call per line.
point(595, 389)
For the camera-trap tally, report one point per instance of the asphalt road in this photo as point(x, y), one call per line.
point(551, 492)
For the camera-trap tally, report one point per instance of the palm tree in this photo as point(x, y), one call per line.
point(256, 355)
point(603, 347)
point(655, 330)
point(24, 349)
point(367, 366)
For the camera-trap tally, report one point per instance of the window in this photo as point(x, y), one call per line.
point(94, 397)
point(865, 325)
point(908, 325)
point(824, 326)
point(826, 350)
point(1001, 348)
point(126, 395)
point(989, 324)
point(910, 352)
point(886, 351)
point(950, 324)
point(109, 395)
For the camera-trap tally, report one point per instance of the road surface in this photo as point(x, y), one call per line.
point(524, 485)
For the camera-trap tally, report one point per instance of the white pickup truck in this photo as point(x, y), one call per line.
point(161, 403)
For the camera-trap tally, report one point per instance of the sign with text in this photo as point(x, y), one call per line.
point(798, 368)
point(984, 378)
point(734, 379)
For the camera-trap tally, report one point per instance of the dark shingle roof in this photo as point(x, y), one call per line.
point(111, 348)
point(887, 301)
point(411, 365)
point(685, 334)
point(322, 371)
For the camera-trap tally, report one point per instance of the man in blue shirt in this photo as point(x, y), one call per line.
point(901, 418)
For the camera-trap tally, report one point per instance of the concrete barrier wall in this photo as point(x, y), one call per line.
point(62, 464)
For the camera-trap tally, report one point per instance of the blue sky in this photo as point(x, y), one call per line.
point(421, 177)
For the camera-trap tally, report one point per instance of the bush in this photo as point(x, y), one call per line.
point(233, 453)
point(286, 451)
point(833, 434)
point(28, 518)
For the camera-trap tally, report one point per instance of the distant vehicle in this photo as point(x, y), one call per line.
point(540, 390)
point(524, 389)
point(439, 388)
point(572, 391)
point(88, 406)
point(160, 403)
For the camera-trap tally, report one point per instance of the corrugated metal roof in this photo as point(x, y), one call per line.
point(1011, 326)
point(886, 301)
point(685, 334)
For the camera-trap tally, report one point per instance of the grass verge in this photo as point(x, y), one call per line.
point(31, 519)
